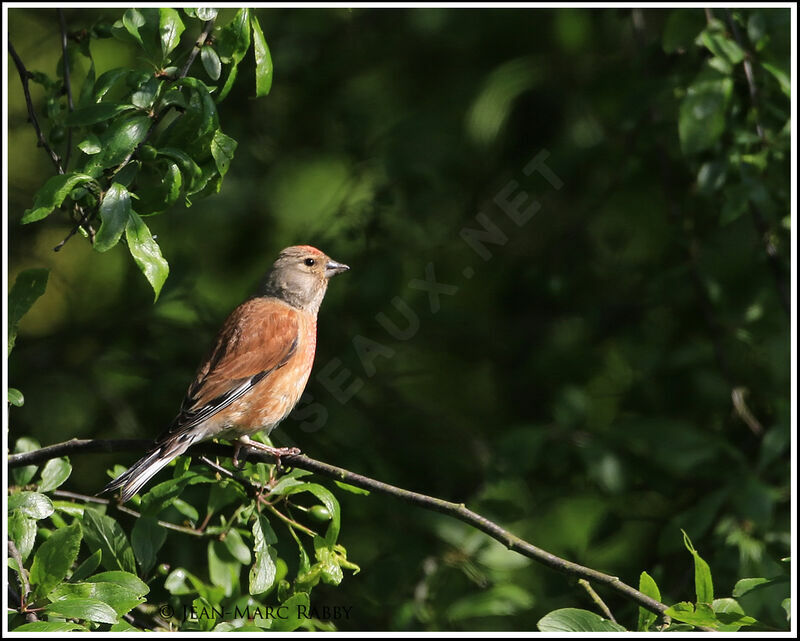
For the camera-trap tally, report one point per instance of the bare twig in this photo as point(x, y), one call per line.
point(456, 510)
point(24, 76)
point(742, 411)
point(67, 83)
point(22, 573)
point(596, 599)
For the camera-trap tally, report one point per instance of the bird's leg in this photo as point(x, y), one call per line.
point(277, 452)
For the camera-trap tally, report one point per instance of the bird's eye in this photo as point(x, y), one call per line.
point(309, 261)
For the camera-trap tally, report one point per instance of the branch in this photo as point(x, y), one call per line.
point(201, 39)
point(67, 84)
point(455, 510)
point(24, 76)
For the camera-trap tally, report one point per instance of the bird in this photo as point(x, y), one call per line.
point(256, 371)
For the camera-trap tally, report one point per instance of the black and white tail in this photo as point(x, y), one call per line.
point(145, 468)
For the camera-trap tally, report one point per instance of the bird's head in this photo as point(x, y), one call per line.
point(300, 277)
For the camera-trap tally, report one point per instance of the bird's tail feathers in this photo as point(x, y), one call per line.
point(135, 478)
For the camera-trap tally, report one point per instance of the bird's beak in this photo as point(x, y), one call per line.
point(332, 268)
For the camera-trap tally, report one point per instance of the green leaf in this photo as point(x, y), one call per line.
point(296, 605)
point(87, 609)
point(118, 597)
point(352, 488)
point(233, 39)
point(730, 615)
point(328, 500)
point(715, 40)
point(24, 475)
point(132, 20)
point(15, 398)
point(119, 141)
point(170, 28)
point(263, 571)
point(87, 567)
point(127, 580)
point(704, 586)
point(22, 531)
point(264, 67)
point(54, 558)
point(115, 212)
point(701, 119)
point(223, 568)
point(31, 504)
point(146, 94)
point(191, 171)
point(54, 474)
point(743, 586)
point(52, 194)
point(781, 76)
point(90, 145)
point(703, 615)
point(237, 547)
point(101, 532)
point(146, 252)
point(28, 287)
point(95, 113)
point(206, 14)
point(147, 537)
point(648, 587)
point(222, 148)
point(211, 62)
point(106, 81)
point(49, 626)
point(576, 620)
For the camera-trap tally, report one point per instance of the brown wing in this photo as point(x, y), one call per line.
point(258, 337)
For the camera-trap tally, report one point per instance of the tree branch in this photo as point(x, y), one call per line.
point(24, 76)
point(456, 510)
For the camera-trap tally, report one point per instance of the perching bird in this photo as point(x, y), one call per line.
point(257, 370)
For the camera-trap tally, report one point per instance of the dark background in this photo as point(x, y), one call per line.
point(576, 389)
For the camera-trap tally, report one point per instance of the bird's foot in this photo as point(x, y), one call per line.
point(277, 452)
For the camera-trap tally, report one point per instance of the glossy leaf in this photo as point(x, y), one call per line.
point(263, 571)
point(146, 252)
point(52, 194)
point(222, 148)
point(88, 609)
point(115, 212)
point(22, 531)
point(576, 620)
point(87, 567)
point(170, 28)
point(50, 626)
point(54, 558)
point(704, 586)
point(648, 587)
point(119, 141)
point(95, 113)
point(24, 475)
point(101, 532)
point(147, 537)
point(31, 504)
point(55, 472)
point(211, 62)
point(264, 67)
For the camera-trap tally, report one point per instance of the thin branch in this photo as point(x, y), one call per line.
point(126, 510)
point(456, 510)
point(24, 76)
point(198, 45)
point(748, 72)
point(67, 83)
point(596, 599)
point(22, 574)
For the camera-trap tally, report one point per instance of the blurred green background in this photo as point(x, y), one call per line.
point(576, 387)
